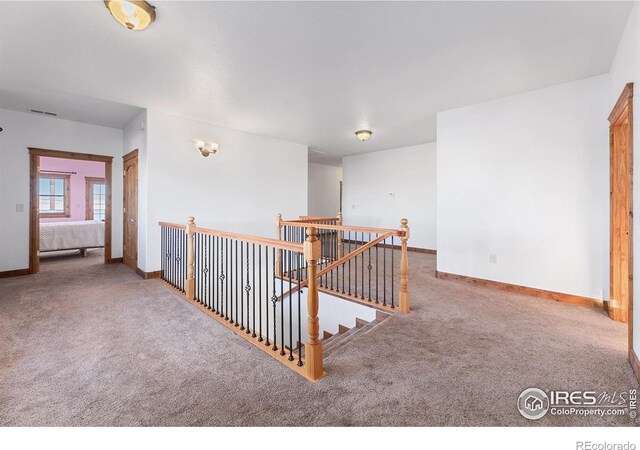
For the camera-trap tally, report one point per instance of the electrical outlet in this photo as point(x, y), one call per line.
point(19, 207)
point(493, 258)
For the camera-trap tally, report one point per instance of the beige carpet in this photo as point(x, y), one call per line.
point(86, 344)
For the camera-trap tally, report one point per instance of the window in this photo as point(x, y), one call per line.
point(54, 197)
point(96, 199)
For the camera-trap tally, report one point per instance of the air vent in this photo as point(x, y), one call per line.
point(44, 113)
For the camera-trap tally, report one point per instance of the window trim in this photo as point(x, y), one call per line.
point(88, 194)
point(67, 196)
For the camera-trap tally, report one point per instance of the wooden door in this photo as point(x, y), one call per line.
point(621, 209)
point(130, 211)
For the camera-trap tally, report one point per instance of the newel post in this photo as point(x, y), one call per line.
point(340, 235)
point(191, 252)
point(405, 306)
point(279, 237)
point(313, 347)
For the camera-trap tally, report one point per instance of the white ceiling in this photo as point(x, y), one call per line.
point(310, 73)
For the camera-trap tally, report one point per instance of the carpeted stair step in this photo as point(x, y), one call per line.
point(329, 344)
point(348, 337)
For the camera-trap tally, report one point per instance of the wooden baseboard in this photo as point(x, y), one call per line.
point(115, 260)
point(635, 364)
point(422, 250)
point(395, 247)
point(14, 273)
point(148, 275)
point(540, 293)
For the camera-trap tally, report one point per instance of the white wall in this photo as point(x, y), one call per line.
point(381, 188)
point(324, 190)
point(22, 130)
point(527, 178)
point(240, 189)
point(625, 69)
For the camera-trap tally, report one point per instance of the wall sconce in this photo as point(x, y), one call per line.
point(208, 149)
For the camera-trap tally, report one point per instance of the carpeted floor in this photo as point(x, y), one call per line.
point(86, 344)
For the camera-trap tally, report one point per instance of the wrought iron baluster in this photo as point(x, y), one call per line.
point(282, 352)
point(235, 278)
point(393, 293)
point(260, 294)
point(247, 288)
point(299, 313)
point(377, 270)
point(369, 267)
point(384, 272)
point(290, 301)
point(274, 300)
point(222, 277)
point(241, 286)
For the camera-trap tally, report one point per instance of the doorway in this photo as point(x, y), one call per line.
point(35, 199)
point(130, 210)
point(621, 210)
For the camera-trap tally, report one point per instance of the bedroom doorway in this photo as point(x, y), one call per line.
point(50, 192)
point(130, 209)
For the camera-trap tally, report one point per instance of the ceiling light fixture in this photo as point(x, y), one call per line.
point(208, 149)
point(363, 135)
point(133, 15)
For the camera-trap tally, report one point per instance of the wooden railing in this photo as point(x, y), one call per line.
point(234, 278)
point(356, 263)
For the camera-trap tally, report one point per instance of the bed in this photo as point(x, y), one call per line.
point(56, 236)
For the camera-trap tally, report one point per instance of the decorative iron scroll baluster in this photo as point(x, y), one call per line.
point(224, 288)
point(247, 288)
point(274, 300)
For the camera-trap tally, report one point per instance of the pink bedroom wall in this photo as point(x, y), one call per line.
point(77, 187)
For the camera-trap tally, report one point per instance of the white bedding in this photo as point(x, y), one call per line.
point(71, 235)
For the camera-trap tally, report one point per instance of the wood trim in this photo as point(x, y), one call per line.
point(622, 117)
point(635, 363)
point(34, 222)
point(115, 260)
point(131, 154)
point(14, 273)
point(68, 155)
point(523, 290)
point(34, 216)
point(148, 275)
point(622, 103)
point(108, 214)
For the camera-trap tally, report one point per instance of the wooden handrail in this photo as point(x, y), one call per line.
point(279, 244)
point(394, 232)
point(282, 245)
point(339, 262)
point(172, 225)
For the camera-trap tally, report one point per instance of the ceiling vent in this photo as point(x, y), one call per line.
point(44, 113)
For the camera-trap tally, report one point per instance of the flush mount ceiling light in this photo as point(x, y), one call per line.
point(133, 15)
point(363, 135)
point(208, 149)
